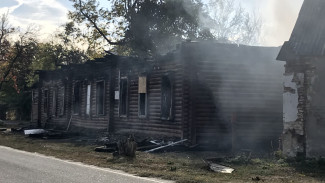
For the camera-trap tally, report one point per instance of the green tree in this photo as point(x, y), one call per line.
point(17, 55)
point(230, 23)
point(21, 55)
point(78, 43)
point(141, 27)
point(51, 55)
point(17, 51)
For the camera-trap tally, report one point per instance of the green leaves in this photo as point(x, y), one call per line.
point(140, 26)
point(22, 56)
point(155, 26)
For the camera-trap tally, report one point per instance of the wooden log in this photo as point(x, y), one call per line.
point(105, 149)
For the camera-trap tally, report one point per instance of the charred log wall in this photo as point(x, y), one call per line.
point(153, 123)
point(237, 95)
point(52, 103)
point(92, 110)
point(315, 109)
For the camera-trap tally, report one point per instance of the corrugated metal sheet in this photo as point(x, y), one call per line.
point(308, 36)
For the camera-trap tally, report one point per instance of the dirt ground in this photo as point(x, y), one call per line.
point(184, 166)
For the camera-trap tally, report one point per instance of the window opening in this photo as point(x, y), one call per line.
point(61, 100)
point(166, 98)
point(53, 103)
point(123, 96)
point(88, 100)
point(76, 98)
point(142, 96)
point(100, 97)
point(46, 101)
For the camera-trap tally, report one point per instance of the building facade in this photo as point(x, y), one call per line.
point(303, 98)
point(221, 95)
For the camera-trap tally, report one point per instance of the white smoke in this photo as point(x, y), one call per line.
point(279, 18)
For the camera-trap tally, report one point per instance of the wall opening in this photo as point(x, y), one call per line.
point(166, 98)
point(46, 101)
point(54, 103)
point(88, 100)
point(142, 96)
point(76, 98)
point(123, 97)
point(100, 101)
point(61, 100)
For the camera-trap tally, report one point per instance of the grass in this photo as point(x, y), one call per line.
point(181, 167)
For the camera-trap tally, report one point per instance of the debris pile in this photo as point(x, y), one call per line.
point(214, 164)
point(46, 134)
point(128, 146)
point(165, 146)
point(220, 168)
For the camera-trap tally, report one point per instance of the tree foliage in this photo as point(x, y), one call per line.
point(231, 23)
point(79, 44)
point(17, 55)
point(21, 54)
point(140, 27)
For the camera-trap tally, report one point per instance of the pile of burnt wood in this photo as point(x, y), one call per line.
point(128, 146)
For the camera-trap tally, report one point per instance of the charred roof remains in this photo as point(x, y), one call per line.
point(303, 98)
point(220, 95)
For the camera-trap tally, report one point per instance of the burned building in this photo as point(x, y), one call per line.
point(221, 95)
point(303, 98)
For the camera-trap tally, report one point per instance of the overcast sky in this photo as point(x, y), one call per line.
point(278, 16)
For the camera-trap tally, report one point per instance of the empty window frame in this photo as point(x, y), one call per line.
point(35, 96)
point(123, 109)
point(61, 100)
point(88, 100)
point(54, 103)
point(166, 98)
point(142, 90)
point(76, 98)
point(46, 101)
point(100, 98)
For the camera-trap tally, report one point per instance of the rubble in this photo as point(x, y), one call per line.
point(168, 145)
point(18, 129)
point(35, 132)
point(126, 146)
point(146, 148)
point(220, 168)
point(46, 134)
point(217, 167)
point(3, 129)
point(257, 179)
point(105, 149)
point(52, 134)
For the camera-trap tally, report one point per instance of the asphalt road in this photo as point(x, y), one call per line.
point(20, 167)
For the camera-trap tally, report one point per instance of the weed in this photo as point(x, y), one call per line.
point(185, 167)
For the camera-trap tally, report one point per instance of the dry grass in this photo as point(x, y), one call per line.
point(181, 167)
